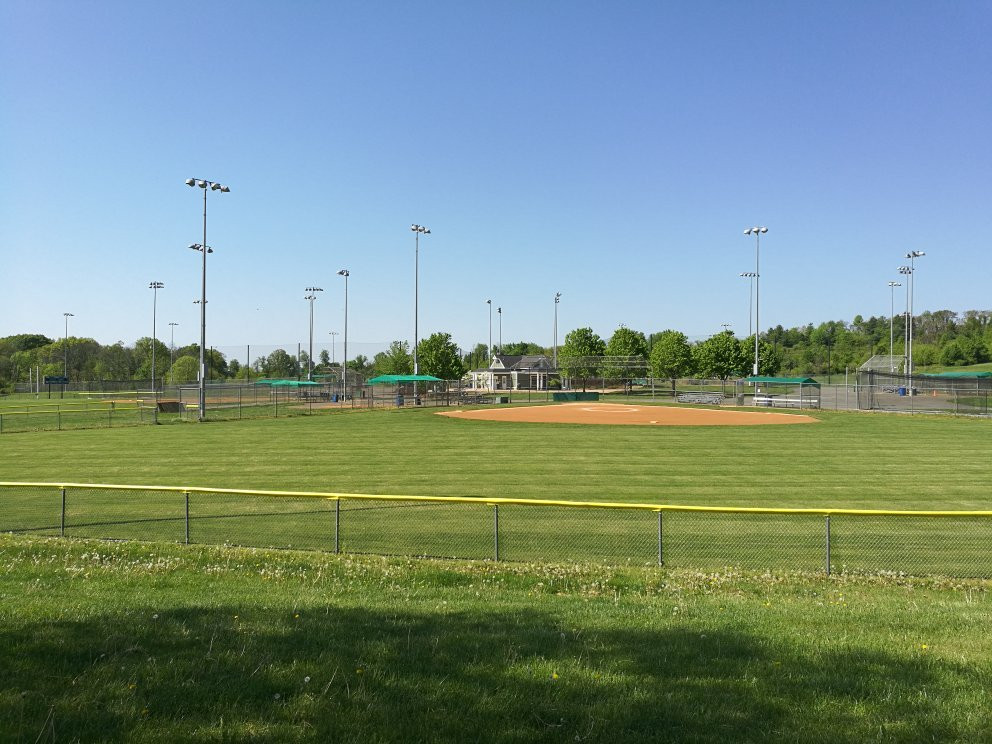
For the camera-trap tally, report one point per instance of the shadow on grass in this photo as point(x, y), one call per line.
point(324, 673)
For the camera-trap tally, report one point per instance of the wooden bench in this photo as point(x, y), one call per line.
point(713, 399)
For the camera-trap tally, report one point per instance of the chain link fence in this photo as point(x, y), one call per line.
point(851, 541)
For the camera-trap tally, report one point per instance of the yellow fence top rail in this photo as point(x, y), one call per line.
point(505, 501)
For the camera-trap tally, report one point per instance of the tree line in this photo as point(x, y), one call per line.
point(941, 337)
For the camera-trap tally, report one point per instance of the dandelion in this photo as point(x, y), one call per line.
point(554, 675)
point(155, 616)
point(305, 680)
point(359, 671)
point(924, 646)
point(131, 686)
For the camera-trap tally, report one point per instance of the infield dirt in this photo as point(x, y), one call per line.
point(629, 415)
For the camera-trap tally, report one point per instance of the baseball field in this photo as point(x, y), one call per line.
point(157, 641)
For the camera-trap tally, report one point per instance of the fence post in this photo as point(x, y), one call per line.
point(828, 545)
point(337, 525)
point(58, 419)
point(496, 532)
point(186, 496)
point(62, 521)
point(661, 558)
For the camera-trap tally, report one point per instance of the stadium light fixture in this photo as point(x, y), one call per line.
point(418, 230)
point(345, 273)
point(757, 232)
point(155, 287)
point(311, 296)
point(201, 413)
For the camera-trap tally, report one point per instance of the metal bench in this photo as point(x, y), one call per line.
point(712, 399)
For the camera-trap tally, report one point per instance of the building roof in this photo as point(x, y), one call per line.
point(520, 362)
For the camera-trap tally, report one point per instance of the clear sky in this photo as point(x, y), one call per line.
point(613, 152)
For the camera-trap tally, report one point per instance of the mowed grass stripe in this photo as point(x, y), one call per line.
point(845, 460)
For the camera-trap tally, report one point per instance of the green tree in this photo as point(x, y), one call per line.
point(629, 344)
point(394, 361)
point(769, 358)
point(184, 370)
point(142, 356)
point(280, 364)
point(522, 348)
point(577, 357)
point(478, 358)
point(438, 356)
point(720, 356)
point(671, 357)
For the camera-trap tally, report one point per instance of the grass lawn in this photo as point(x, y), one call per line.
point(136, 642)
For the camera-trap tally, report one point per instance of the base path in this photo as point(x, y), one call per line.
point(615, 413)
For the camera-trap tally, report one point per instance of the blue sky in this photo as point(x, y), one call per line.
point(613, 152)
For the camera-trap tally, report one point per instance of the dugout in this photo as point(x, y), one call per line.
point(404, 385)
point(780, 392)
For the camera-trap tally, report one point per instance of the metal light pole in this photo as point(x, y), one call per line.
point(912, 256)
point(311, 296)
point(555, 358)
point(155, 287)
point(345, 273)
point(65, 365)
point(333, 344)
point(907, 272)
point(892, 315)
point(172, 345)
point(418, 231)
point(756, 232)
point(204, 184)
point(750, 298)
point(489, 349)
point(499, 312)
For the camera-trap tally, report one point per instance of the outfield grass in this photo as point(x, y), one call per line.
point(130, 642)
point(845, 460)
point(842, 461)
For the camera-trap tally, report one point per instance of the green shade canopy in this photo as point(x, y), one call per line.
point(783, 380)
point(396, 379)
point(959, 375)
point(288, 383)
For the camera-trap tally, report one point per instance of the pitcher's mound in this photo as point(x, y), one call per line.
point(617, 413)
